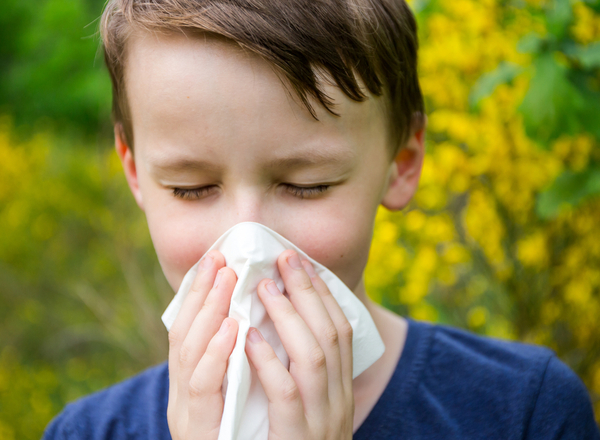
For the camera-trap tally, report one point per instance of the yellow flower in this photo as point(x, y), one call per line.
point(455, 253)
point(586, 25)
point(578, 292)
point(532, 251)
point(424, 312)
point(477, 317)
point(415, 220)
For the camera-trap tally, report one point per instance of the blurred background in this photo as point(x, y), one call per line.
point(502, 238)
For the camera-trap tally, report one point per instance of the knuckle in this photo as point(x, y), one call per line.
point(197, 285)
point(269, 358)
point(323, 290)
point(316, 358)
point(185, 354)
point(174, 338)
point(211, 355)
point(346, 331)
point(289, 391)
point(331, 335)
point(289, 312)
point(306, 288)
point(208, 303)
point(197, 388)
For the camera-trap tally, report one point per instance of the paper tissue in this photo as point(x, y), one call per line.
point(251, 250)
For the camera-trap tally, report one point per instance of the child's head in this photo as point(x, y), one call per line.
point(303, 115)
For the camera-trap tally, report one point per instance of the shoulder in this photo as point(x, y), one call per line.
point(523, 388)
point(563, 408)
point(134, 408)
point(457, 355)
point(453, 384)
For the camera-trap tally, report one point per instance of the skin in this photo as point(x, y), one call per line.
point(220, 140)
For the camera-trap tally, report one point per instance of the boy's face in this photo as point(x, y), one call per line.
point(219, 140)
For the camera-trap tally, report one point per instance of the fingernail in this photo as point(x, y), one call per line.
point(294, 261)
point(254, 336)
point(224, 328)
point(310, 270)
point(217, 279)
point(206, 262)
point(272, 288)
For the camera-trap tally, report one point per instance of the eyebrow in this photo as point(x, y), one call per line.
point(182, 164)
point(313, 157)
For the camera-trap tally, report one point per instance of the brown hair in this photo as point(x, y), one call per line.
point(375, 40)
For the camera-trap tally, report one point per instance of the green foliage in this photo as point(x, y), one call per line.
point(563, 97)
point(587, 56)
point(51, 66)
point(569, 189)
point(80, 287)
point(553, 104)
point(487, 83)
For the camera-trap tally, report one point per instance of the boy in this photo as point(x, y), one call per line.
point(303, 116)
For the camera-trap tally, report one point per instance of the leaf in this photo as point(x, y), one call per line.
point(531, 43)
point(487, 83)
point(569, 189)
point(594, 4)
point(587, 118)
point(552, 105)
point(588, 56)
point(559, 18)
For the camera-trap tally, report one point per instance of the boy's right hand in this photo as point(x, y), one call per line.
point(200, 343)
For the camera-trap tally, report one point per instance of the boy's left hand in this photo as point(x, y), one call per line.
point(314, 399)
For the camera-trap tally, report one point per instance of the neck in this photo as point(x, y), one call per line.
point(369, 385)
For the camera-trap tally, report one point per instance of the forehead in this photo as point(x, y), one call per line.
point(206, 85)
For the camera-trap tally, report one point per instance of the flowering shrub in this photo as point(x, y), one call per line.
point(80, 287)
point(475, 248)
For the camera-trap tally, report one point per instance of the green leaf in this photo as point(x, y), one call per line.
point(569, 189)
point(531, 43)
point(487, 83)
point(552, 105)
point(588, 56)
point(594, 4)
point(559, 18)
point(587, 118)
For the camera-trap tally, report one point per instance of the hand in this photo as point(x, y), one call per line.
point(200, 343)
point(314, 399)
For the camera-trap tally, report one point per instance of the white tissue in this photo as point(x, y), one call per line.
point(251, 250)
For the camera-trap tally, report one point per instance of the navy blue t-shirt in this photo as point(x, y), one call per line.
point(449, 384)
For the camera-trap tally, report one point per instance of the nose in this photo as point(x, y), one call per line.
point(247, 204)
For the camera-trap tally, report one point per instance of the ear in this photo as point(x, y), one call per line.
point(128, 161)
point(405, 170)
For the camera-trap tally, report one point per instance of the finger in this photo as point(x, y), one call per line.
point(340, 320)
point(206, 323)
point(207, 269)
point(279, 385)
point(307, 358)
point(205, 397)
point(309, 305)
point(203, 282)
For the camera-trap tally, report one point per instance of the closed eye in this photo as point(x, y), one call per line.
point(192, 193)
point(301, 192)
point(305, 191)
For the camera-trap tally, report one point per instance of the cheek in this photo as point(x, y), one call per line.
point(179, 240)
point(341, 246)
point(340, 242)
